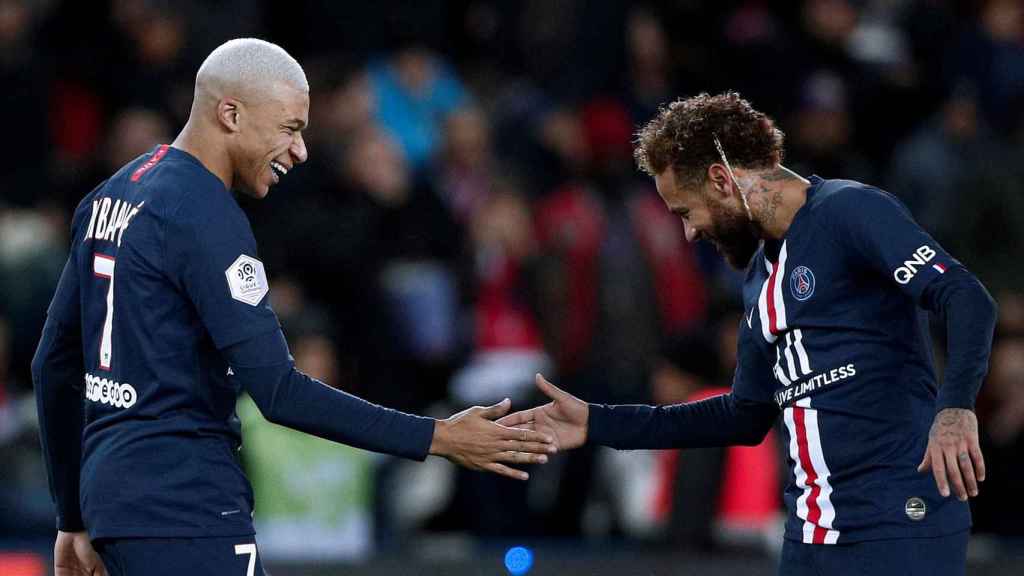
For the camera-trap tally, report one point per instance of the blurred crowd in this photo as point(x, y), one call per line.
point(471, 215)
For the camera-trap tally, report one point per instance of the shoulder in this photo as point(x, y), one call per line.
point(193, 207)
point(84, 207)
point(848, 202)
point(184, 193)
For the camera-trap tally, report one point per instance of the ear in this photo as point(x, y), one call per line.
point(228, 112)
point(718, 177)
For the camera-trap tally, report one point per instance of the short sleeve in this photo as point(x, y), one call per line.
point(211, 255)
point(753, 379)
point(879, 230)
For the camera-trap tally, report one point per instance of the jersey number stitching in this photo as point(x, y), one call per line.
point(249, 549)
point(103, 267)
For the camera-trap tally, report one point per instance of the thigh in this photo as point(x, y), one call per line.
point(798, 559)
point(942, 556)
point(231, 556)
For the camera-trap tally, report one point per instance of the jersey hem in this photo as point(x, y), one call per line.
point(127, 531)
point(900, 533)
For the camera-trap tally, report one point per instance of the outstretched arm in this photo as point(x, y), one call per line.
point(720, 421)
point(290, 398)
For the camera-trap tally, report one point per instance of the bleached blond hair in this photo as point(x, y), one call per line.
point(247, 65)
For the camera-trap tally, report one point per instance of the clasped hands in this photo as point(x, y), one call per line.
point(490, 438)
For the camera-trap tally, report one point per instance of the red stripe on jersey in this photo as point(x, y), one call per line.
point(150, 163)
point(773, 323)
point(813, 509)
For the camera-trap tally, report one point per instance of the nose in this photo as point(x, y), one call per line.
point(298, 149)
point(691, 233)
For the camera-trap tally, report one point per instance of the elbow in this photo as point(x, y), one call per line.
point(753, 437)
point(269, 415)
point(985, 303)
point(37, 369)
point(759, 425)
point(268, 387)
point(272, 405)
point(47, 353)
point(267, 408)
point(992, 305)
point(39, 365)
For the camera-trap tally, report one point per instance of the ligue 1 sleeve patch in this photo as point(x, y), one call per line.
point(247, 280)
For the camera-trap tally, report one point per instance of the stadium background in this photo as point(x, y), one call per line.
point(470, 215)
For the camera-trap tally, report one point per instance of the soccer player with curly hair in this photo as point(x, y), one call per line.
point(882, 458)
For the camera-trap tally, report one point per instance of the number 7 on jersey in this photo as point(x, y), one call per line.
point(103, 267)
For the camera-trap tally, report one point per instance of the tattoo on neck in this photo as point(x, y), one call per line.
point(769, 200)
point(771, 206)
point(769, 194)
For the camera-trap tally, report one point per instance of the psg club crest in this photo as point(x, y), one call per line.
point(801, 283)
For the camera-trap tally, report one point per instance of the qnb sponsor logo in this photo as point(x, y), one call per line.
point(106, 391)
point(918, 259)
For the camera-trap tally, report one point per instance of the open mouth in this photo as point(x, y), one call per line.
point(279, 170)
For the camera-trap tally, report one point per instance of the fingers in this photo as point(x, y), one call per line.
point(525, 435)
point(978, 459)
point(515, 457)
point(939, 471)
point(956, 481)
point(926, 462)
point(955, 472)
point(532, 447)
point(497, 410)
point(963, 460)
point(552, 391)
point(517, 418)
point(506, 471)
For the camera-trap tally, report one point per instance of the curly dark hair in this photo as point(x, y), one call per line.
point(682, 136)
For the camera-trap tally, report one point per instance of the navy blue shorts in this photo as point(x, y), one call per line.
point(942, 556)
point(231, 556)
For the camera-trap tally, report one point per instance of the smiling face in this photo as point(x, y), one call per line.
point(709, 213)
point(268, 142)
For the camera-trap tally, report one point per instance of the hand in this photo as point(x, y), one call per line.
point(73, 555)
point(470, 439)
point(564, 418)
point(953, 454)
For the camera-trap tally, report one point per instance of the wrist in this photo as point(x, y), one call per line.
point(950, 404)
point(70, 523)
point(439, 441)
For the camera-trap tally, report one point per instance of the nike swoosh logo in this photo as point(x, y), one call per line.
point(750, 319)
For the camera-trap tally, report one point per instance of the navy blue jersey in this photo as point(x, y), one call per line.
point(134, 390)
point(834, 339)
point(833, 336)
point(163, 273)
point(210, 556)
